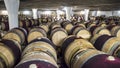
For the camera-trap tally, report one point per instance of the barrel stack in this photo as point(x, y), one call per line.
point(10, 53)
point(107, 44)
point(79, 53)
point(35, 33)
point(66, 44)
point(39, 53)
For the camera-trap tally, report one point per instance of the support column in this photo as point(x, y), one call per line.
point(69, 12)
point(112, 13)
point(12, 8)
point(98, 13)
point(86, 14)
point(35, 16)
point(39, 14)
point(58, 14)
point(94, 13)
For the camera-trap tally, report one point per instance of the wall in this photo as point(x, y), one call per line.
point(99, 13)
point(92, 13)
point(116, 13)
point(107, 13)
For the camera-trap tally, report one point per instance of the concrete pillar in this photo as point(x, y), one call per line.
point(98, 13)
point(12, 8)
point(69, 12)
point(58, 14)
point(86, 14)
point(39, 14)
point(94, 13)
point(35, 16)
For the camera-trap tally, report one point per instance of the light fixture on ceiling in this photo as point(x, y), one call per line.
point(26, 12)
point(60, 12)
point(4, 12)
point(47, 12)
point(82, 12)
point(119, 11)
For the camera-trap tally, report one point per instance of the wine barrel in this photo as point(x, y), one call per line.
point(24, 23)
point(10, 53)
point(44, 20)
point(36, 22)
point(13, 35)
point(108, 44)
point(73, 22)
point(20, 24)
point(67, 26)
point(4, 26)
point(37, 60)
point(54, 25)
point(41, 44)
point(45, 27)
point(80, 31)
point(81, 24)
point(35, 33)
point(28, 29)
point(57, 36)
point(71, 45)
point(28, 23)
point(90, 24)
point(115, 31)
point(23, 33)
point(39, 20)
point(91, 58)
point(99, 30)
point(102, 24)
point(93, 38)
point(2, 33)
point(39, 53)
point(109, 27)
point(18, 34)
point(32, 21)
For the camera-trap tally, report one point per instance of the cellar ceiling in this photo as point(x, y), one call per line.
point(59, 4)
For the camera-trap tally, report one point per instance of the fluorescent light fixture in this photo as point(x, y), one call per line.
point(64, 8)
point(26, 12)
point(119, 11)
point(4, 12)
point(98, 11)
point(60, 12)
point(82, 12)
point(47, 12)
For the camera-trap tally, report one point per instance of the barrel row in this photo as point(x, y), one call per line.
point(67, 25)
point(28, 23)
point(106, 43)
point(56, 35)
point(78, 30)
point(18, 34)
point(10, 53)
point(80, 53)
point(39, 53)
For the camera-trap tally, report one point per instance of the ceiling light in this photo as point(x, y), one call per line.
point(82, 12)
point(47, 12)
point(4, 12)
point(26, 12)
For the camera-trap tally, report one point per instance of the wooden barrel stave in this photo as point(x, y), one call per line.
point(12, 35)
point(40, 46)
point(15, 47)
point(7, 55)
point(71, 45)
point(36, 33)
point(57, 35)
point(40, 59)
